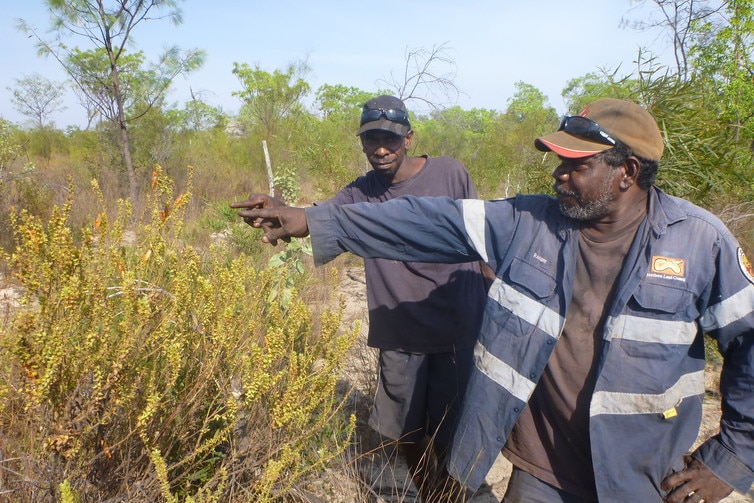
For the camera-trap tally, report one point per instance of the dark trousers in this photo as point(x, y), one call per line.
point(525, 488)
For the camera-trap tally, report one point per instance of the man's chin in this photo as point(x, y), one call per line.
point(572, 211)
point(386, 170)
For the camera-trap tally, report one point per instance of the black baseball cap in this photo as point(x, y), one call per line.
point(386, 113)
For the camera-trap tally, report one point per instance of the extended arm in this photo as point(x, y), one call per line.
point(427, 229)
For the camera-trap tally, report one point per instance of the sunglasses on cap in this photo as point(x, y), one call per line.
point(578, 125)
point(372, 114)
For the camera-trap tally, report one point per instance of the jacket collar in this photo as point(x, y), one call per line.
point(663, 211)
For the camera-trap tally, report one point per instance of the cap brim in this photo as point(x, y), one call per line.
point(384, 125)
point(568, 146)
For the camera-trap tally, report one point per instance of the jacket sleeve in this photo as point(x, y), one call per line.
point(729, 319)
point(423, 229)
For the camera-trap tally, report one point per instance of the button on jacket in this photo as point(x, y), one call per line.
point(684, 276)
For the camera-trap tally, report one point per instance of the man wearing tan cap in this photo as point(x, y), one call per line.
point(589, 367)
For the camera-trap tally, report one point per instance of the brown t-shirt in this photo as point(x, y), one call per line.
point(551, 438)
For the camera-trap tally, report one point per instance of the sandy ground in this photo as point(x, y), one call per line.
point(384, 473)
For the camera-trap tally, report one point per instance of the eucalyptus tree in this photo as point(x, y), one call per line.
point(37, 97)
point(270, 98)
point(273, 115)
point(119, 85)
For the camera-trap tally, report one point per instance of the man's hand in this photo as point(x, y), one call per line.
point(277, 220)
point(693, 484)
point(257, 201)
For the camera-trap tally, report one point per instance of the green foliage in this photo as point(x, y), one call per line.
point(527, 102)
point(496, 148)
point(197, 115)
point(328, 148)
point(37, 98)
point(333, 161)
point(10, 149)
point(581, 91)
point(113, 84)
point(722, 62)
point(701, 161)
point(269, 97)
point(461, 134)
point(342, 101)
point(142, 369)
point(452, 132)
point(44, 142)
point(20, 182)
point(287, 182)
point(291, 261)
point(698, 160)
point(66, 494)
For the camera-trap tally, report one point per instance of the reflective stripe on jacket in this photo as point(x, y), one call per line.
point(684, 275)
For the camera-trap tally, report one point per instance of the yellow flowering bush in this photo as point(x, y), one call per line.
point(139, 368)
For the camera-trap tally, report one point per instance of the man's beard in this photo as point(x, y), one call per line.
point(591, 210)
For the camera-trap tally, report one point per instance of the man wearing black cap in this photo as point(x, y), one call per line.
point(589, 366)
point(423, 317)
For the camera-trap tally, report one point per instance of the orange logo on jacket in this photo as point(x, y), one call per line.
point(745, 265)
point(669, 266)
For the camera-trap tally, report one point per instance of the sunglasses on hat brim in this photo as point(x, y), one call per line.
point(584, 127)
point(372, 114)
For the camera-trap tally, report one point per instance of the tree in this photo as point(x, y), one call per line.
point(710, 121)
point(37, 98)
point(528, 116)
point(529, 102)
point(424, 79)
point(681, 18)
point(105, 74)
point(340, 100)
point(592, 86)
point(724, 63)
point(454, 132)
point(268, 98)
point(198, 115)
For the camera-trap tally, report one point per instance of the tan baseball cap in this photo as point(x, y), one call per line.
point(615, 119)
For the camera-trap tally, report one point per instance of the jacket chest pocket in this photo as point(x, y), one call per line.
point(523, 298)
point(660, 322)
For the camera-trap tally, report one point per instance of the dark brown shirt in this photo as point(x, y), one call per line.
point(551, 438)
point(420, 307)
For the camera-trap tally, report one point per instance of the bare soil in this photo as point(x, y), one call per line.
point(383, 474)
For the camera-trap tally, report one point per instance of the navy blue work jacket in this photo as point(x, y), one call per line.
point(684, 275)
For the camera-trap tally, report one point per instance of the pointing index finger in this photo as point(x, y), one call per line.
point(244, 204)
point(252, 212)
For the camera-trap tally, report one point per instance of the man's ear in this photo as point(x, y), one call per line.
point(408, 138)
point(631, 170)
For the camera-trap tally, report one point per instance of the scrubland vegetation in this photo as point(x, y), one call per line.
point(160, 352)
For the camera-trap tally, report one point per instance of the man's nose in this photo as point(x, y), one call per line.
point(560, 173)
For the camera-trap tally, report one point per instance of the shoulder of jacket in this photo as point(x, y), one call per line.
point(690, 211)
point(536, 203)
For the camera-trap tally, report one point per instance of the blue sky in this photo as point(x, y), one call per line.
point(494, 44)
